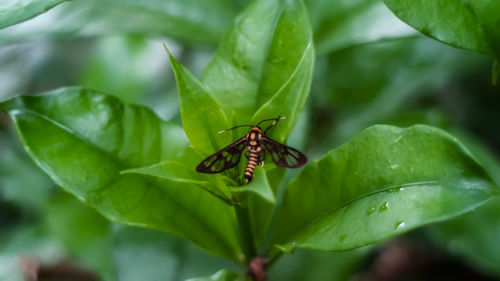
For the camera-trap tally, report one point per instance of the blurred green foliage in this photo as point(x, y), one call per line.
point(370, 68)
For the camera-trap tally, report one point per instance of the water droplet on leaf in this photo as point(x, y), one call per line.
point(371, 210)
point(383, 207)
point(399, 224)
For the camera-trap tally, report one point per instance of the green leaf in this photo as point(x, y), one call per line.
point(290, 99)
point(471, 25)
point(383, 182)
point(12, 11)
point(269, 42)
point(192, 21)
point(201, 115)
point(170, 170)
point(259, 186)
point(342, 24)
point(474, 236)
point(221, 275)
point(178, 172)
point(83, 140)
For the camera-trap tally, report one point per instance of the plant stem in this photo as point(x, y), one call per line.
point(245, 230)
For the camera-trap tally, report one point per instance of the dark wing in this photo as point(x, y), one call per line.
point(224, 159)
point(282, 155)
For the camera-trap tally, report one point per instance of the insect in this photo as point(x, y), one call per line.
point(257, 143)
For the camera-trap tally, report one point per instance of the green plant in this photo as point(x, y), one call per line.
point(137, 169)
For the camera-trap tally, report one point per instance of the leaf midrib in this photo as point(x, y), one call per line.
point(348, 202)
point(267, 52)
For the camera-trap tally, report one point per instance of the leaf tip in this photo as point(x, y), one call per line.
point(172, 59)
point(173, 62)
point(166, 49)
point(128, 171)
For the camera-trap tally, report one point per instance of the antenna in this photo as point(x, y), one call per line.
point(275, 119)
point(234, 128)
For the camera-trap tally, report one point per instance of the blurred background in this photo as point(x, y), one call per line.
point(371, 69)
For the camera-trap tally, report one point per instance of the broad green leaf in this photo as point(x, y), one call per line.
point(259, 57)
point(201, 115)
point(383, 182)
point(481, 151)
point(83, 140)
point(474, 236)
point(13, 11)
point(192, 21)
point(471, 25)
point(221, 275)
point(342, 24)
point(178, 172)
point(293, 94)
point(170, 170)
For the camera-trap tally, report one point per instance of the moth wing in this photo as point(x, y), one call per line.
point(224, 159)
point(282, 155)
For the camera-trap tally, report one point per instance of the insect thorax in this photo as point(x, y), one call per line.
point(254, 137)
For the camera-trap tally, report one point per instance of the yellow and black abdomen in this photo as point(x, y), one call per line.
point(253, 160)
point(254, 150)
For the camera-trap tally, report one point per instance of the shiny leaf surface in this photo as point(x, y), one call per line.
point(383, 182)
point(83, 140)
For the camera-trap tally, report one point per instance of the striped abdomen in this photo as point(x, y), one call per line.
point(253, 160)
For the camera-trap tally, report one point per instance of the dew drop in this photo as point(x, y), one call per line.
point(399, 224)
point(343, 237)
point(394, 190)
point(371, 210)
point(383, 207)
